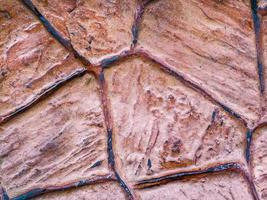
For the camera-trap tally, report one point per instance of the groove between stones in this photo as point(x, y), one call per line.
point(108, 121)
point(137, 20)
point(258, 40)
point(42, 94)
point(248, 144)
point(66, 43)
point(177, 176)
point(40, 191)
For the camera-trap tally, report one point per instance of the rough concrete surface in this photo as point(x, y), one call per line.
point(133, 99)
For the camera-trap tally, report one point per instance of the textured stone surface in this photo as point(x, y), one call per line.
point(58, 141)
point(96, 28)
point(57, 12)
point(160, 124)
point(264, 48)
point(30, 59)
point(214, 47)
point(259, 161)
point(177, 95)
point(99, 28)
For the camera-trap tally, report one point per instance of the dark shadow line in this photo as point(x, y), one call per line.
point(248, 144)
point(40, 191)
point(124, 186)
point(66, 43)
point(111, 159)
point(177, 176)
point(109, 61)
point(107, 116)
point(258, 40)
point(47, 25)
point(139, 12)
point(137, 21)
point(148, 183)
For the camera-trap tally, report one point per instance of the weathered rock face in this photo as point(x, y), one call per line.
point(133, 99)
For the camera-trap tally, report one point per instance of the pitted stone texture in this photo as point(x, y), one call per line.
point(211, 43)
point(101, 28)
point(103, 191)
point(161, 125)
point(57, 141)
point(259, 161)
point(219, 187)
point(30, 59)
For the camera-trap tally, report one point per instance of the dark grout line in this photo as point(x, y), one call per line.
point(66, 43)
point(111, 156)
point(177, 176)
point(40, 191)
point(109, 61)
point(137, 21)
point(258, 40)
point(42, 94)
point(108, 121)
point(260, 125)
point(124, 186)
point(106, 62)
point(248, 144)
point(48, 26)
point(148, 183)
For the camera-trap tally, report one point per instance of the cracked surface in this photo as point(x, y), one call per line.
point(132, 99)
